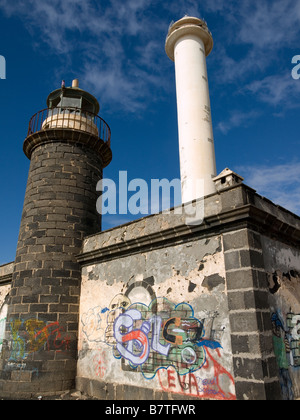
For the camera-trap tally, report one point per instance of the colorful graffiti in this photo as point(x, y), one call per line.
point(286, 339)
point(194, 385)
point(161, 340)
point(286, 343)
point(93, 325)
point(32, 335)
point(159, 337)
point(293, 325)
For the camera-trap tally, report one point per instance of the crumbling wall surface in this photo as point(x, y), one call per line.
point(5, 286)
point(4, 291)
point(6, 272)
point(155, 324)
point(282, 263)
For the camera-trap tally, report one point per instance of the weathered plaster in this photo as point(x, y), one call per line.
point(283, 266)
point(279, 256)
point(5, 272)
point(193, 273)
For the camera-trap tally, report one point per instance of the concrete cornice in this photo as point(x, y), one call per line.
point(6, 279)
point(6, 273)
point(247, 209)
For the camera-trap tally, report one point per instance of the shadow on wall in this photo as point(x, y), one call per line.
point(286, 328)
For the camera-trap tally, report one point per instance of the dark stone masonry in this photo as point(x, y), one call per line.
point(59, 211)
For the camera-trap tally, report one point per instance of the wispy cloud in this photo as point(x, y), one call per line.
point(121, 43)
point(267, 24)
point(261, 31)
point(278, 89)
point(261, 27)
point(114, 41)
point(280, 183)
point(237, 119)
point(52, 18)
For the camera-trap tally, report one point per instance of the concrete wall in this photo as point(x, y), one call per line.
point(282, 263)
point(158, 319)
point(144, 282)
point(5, 287)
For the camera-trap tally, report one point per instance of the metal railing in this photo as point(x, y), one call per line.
point(69, 117)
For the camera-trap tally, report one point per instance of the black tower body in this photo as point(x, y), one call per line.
point(68, 145)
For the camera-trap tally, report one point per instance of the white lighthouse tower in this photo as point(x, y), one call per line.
point(188, 44)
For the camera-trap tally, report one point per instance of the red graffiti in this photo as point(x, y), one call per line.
point(54, 330)
point(100, 363)
point(35, 336)
point(141, 337)
point(193, 385)
point(218, 371)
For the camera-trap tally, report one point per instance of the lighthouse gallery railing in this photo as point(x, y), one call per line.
point(69, 117)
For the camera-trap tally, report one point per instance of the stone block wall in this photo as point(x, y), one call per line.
point(248, 295)
point(172, 311)
point(167, 310)
point(59, 210)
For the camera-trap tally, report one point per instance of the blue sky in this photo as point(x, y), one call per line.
point(116, 49)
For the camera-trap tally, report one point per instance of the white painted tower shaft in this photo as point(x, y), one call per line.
point(188, 43)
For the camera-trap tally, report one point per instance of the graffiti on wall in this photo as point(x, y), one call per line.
point(161, 340)
point(293, 325)
point(93, 324)
point(32, 335)
point(168, 341)
point(195, 385)
point(286, 342)
point(100, 364)
point(159, 335)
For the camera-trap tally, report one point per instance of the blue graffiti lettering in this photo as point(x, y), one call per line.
point(141, 332)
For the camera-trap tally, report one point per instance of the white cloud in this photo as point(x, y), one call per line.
point(267, 24)
point(237, 119)
point(279, 89)
point(265, 29)
point(279, 183)
point(237, 70)
point(52, 18)
point(105, 34)
point(116, 42)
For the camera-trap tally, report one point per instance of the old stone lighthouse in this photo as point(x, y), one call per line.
point(158, 308)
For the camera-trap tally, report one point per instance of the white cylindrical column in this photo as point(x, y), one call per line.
point(188, 43)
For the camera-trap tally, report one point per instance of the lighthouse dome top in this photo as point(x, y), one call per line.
point(73, 97)
point(188, 25)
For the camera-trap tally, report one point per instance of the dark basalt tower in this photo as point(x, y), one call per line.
point(68, 145)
